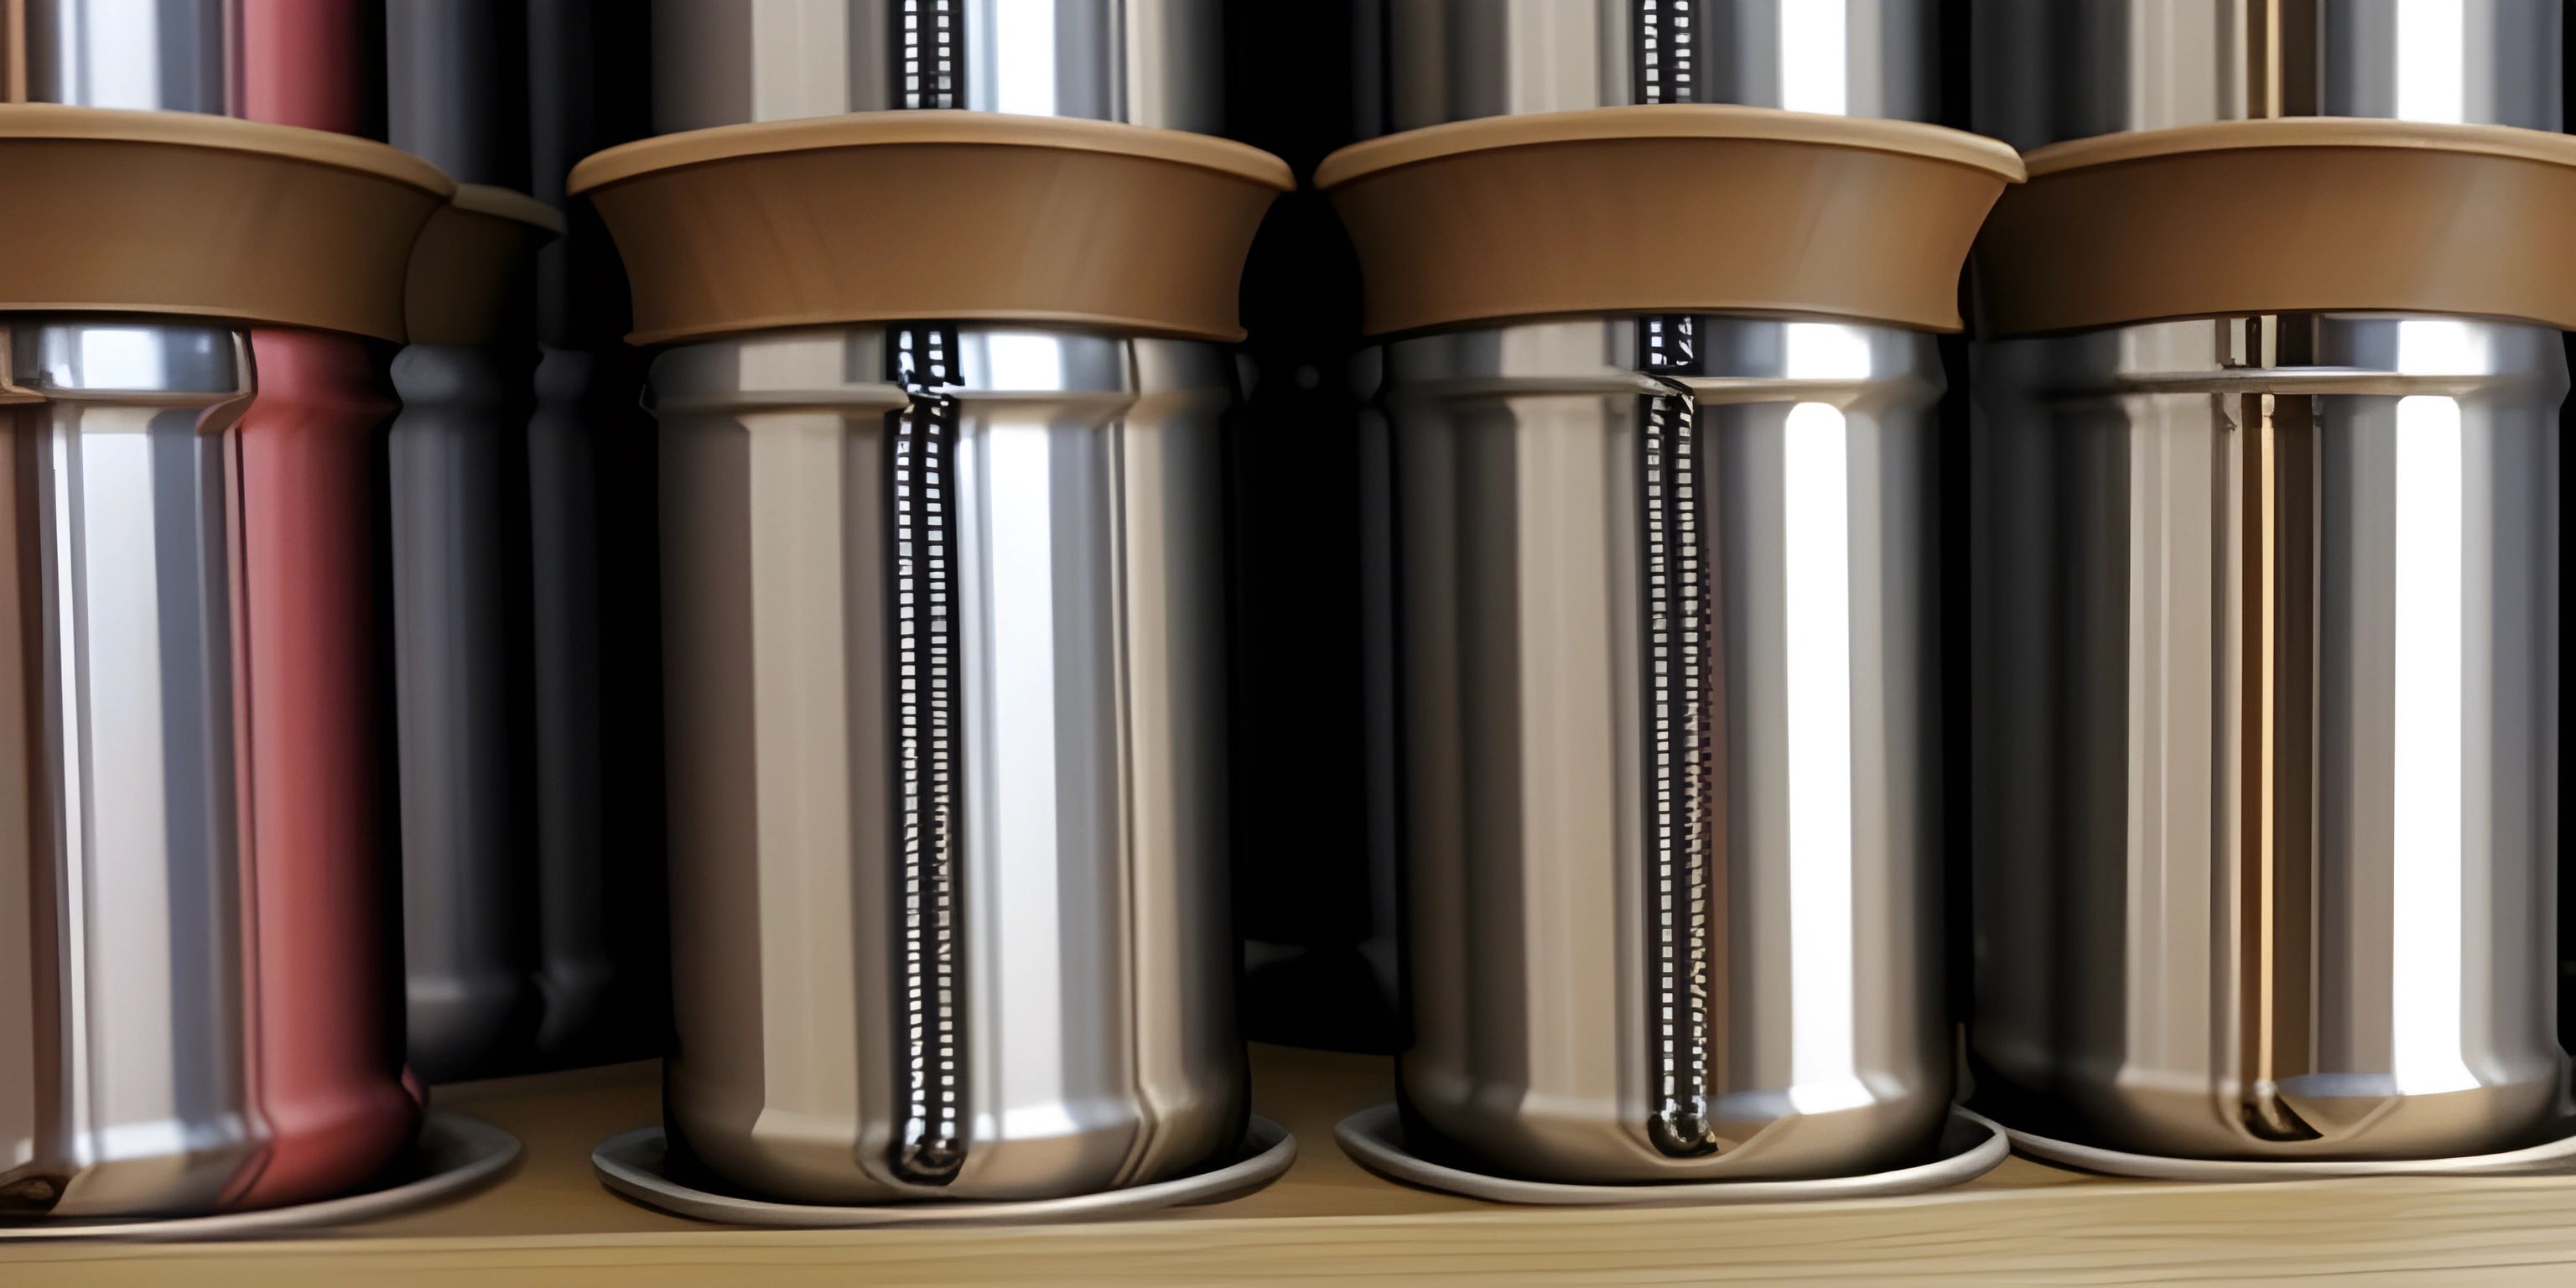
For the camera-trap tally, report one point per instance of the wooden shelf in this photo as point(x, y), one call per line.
point(550, 1223)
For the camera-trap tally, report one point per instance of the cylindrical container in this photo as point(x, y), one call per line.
point(320, 751)
point(1459, 60)
point(944, 646)
point(2265, 636)
point(1012, 961)
point(456, 467)
point(159, 55)
point(120, 875)
point(196, 1020)
point(457, 487)
point(314, 63)
point(1661, 615)
point(1143, 62)
point(603, 943)
point(1666, 666)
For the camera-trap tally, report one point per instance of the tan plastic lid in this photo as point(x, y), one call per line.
point(1671, 208)
point(884, 216)
point(203, 216)
point(473, 269)
point(2293, 215)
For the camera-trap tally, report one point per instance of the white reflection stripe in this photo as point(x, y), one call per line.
point(1021, 902)
point(1812, 76)
point(128, 935)
point(1023, 36)
point(2424, 1002)
point(1815, 468)
point(71, 609)
point(2432, 62)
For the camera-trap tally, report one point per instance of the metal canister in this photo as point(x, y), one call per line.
point(947, 891)
point(121, 880)
point(1663, 652)
point(944, 643)
point(200, 1021)
point(604, 963)
point(1144, 62)
point(319, 750)
point(2265, 646)
point(457, 489)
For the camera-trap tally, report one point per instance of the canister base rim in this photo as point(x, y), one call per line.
point(452, 1155)
point(631, 1165)
point(2551, 1156)
point(1374, 1138)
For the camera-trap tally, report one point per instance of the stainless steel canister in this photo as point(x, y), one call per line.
point(457, 471)
point(2265, 623)
point(944, 643)
point(1661, 645)
point(125, 1025)
point(947, 761)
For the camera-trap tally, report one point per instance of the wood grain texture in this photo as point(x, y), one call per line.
point(551, 1224)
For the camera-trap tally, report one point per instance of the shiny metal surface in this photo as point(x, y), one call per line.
point(2050, 71)
point(471, 871)
point(1455, 60)
point(317, 748)
point(2265, 674)
point(1144, 62)
point(456, 86)
point(162, 55)
point(126, 1081)
point(1575, 828)
point(458, 488)
point(947, 762)
point(329, 965)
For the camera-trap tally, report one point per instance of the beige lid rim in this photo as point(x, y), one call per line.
point(849, 220)
point(2303, 132)
point(505, 203)
point(1668, 121)
point(1682, 208)
point(196, 130)
point(2290, 215)
point(940, 126)
point(183, 215)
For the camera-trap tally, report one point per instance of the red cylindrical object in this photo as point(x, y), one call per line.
point(326, 1037)
point(314, 63)
point(325, 1013)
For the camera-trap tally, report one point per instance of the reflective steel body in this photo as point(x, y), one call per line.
point(1661, 646)
point(161, 1053)
point(2069, 71)
point(944, 641)
point(947, 804)
point(2265, 648)
point(2266, 687)
point(1456, 60)
point(152, 55)
point(1144, 62)
point(125, 1056)
point(1740, 784)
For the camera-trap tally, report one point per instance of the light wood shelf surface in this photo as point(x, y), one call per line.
point(550, 1223)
